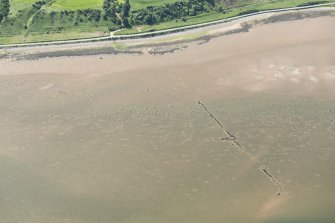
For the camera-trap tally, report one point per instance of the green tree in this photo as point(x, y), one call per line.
point(106, 6)
point(125, 22)
point(125, 14)
point(125, 8)
point(150, 19)
point(4, 9)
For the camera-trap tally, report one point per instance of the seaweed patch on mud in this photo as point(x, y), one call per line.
point(247, 26)
point(294, 16)
point(162, 51)
point(69, 53)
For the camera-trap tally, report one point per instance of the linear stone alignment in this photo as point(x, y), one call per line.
point(232, 138)
point(273, 179)
point(229, 136)
point(213, 117)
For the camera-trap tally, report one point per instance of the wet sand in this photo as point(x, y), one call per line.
point(238, 129)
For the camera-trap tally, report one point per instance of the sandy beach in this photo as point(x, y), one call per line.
point(233, 125)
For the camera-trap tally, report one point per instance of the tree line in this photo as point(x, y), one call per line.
point(121, 13)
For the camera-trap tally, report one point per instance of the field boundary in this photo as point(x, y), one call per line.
point(112, 37)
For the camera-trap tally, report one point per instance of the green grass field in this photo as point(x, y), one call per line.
point(28, 24)
point(17, 5)
point(77, 4)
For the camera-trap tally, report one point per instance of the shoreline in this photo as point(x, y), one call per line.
point(166, 32)
point(287, 34)
point(160, 45)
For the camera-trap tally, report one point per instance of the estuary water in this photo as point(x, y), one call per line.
point(240, 129)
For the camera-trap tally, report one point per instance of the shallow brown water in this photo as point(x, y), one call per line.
point(124, 139)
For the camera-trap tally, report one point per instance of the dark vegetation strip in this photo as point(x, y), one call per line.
point(250, 11)
point(312, 3)
point(70, 53)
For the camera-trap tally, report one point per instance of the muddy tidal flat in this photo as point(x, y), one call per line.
point(239, 128)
